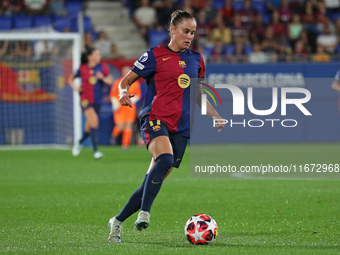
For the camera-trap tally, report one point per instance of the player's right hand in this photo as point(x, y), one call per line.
point(125, 99)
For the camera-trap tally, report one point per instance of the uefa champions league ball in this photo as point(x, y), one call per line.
point(201, 229)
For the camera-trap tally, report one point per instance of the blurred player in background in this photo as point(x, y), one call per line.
point(94, 75)
point(124, 117)
point(165, 119)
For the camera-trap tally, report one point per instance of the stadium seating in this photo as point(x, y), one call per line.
point(259, 6)
point(5, 23)
point(60, 23)
point(40, 21)
point(94, 35)
point(208, 50)
point(238, 5)
point(335, 17)
point(248, 49)
point(73, 7)
point(21, 22)
point(157, 37)
point(266, 18)
point(229, 49)
point(86, 22)
point(218, 4)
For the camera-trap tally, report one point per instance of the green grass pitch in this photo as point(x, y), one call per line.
point(52, 203)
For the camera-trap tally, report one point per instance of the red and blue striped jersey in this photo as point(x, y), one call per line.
point(92, 87)
point(168, 75)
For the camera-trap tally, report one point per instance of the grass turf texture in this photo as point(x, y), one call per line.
point(52, 203)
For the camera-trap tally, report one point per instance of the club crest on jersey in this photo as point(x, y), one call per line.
point(183, 81)
point(84, 103)
point(156, 128)
point(182, 64)
point(92, 80)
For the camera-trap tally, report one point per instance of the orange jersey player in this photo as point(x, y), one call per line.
point(124, 117)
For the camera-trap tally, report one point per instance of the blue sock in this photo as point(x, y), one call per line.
point(85, 136)
point(155, 179)
point(134, 203)
point(93, 134)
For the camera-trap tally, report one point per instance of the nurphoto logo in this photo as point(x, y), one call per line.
point(238, 99)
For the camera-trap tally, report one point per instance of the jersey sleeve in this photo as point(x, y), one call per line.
point(106, 70)
point(201, 71)
point(145, 66)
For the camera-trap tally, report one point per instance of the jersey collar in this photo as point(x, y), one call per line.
point(178, 52)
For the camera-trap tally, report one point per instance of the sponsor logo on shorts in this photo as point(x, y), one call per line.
point(183, 81)
point(156, 128)
point(139, 65)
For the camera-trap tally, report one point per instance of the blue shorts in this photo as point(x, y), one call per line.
point(86, 105)
point(155, 128)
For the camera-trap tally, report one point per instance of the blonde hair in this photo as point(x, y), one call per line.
point(177, 17)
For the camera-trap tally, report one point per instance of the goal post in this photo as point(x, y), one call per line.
point(36, 107)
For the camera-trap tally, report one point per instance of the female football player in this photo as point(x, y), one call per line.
point(165, 119)
point(94, 76)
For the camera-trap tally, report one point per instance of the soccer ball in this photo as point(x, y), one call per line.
point(201, 229)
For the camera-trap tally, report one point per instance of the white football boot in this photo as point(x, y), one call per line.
point(143, 220)
point(115, 230)
point(76, 149)
point(98, 155)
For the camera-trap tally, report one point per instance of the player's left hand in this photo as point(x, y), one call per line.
point(100, 75)
point(125, 99)
point(219, 124)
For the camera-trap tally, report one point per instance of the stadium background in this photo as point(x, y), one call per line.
point(53, 203)
point(227, 34)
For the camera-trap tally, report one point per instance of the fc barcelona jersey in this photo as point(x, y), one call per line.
point(92, 87)
point(169, 75)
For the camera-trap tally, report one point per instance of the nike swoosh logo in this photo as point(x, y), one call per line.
point(166, 58)
point(153, 182)
point(178, 159)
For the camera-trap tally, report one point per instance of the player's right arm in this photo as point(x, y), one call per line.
point(124, 85)
point(143, 67)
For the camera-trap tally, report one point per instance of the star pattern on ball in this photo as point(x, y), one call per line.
point(198, 235)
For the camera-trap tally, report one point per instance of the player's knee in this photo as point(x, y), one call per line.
point(166, 160)
point(94, 123)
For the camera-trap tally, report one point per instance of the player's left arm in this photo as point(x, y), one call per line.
point(105, 75)
point(210, 109)
point(335, 85)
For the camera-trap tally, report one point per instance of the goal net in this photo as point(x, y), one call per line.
point(37, 107)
